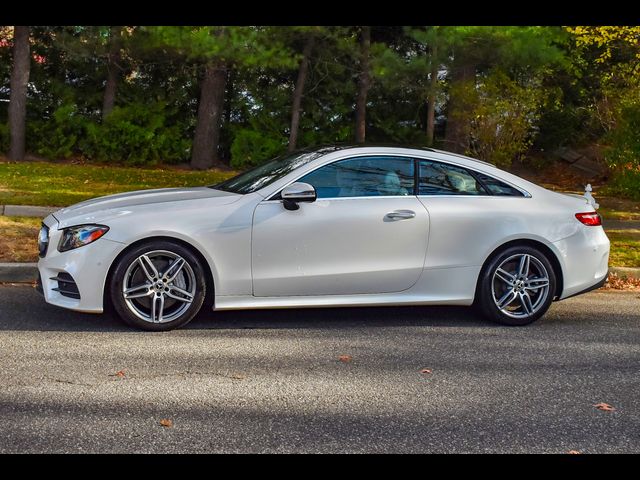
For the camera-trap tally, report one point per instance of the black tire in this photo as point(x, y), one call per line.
point(488, 285)
point(191, 275)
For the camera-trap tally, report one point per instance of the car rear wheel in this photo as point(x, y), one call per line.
point(158, 286)
point(516, 286)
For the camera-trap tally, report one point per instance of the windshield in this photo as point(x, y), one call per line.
point(259, 177)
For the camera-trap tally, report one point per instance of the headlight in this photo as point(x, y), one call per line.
point(74, 237)
point(43, 240)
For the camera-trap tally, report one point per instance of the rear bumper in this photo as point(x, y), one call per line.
point(584, 257)
point(595, 286)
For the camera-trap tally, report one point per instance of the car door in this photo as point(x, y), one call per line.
point(366, 233)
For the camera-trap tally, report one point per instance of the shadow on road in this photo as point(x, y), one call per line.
point(24, 309)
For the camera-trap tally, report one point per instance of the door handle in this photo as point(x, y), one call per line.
point(400, 215)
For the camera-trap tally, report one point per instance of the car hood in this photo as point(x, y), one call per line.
point(91, 211)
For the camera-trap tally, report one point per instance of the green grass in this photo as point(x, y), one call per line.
point(63, 184)
point(618, 208)
point(625, 248)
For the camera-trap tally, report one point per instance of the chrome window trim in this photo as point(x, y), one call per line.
point(371, 197)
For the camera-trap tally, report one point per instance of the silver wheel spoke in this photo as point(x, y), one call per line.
point(157, 312)
point(161, 312)
point(525, 301)
point(148, 267)
point(139, 291)
point(505, 276)
point(186, 296)
point(176, 297)
point(523, 269)
point(506, 299)
point(174, 269)
point(537, 283)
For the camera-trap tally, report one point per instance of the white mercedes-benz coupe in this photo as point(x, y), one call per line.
point(334, 226)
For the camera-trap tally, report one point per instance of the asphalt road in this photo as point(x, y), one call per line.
point(271, 381)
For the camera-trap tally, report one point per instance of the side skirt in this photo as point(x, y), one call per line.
point(241, 302)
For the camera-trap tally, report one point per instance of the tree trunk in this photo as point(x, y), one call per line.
point(296, 108)
point(18, 95)
point(226, 137)
point(113, 73)
point(431, 97)
point(204, 153)
point(228, 98)
point(463, 70)
point(364, 84)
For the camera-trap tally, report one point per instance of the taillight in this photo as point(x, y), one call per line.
point(591, 219)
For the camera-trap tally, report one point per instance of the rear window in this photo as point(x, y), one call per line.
point(496, 187)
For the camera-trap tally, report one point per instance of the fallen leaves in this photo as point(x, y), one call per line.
point(165, 422)
point(605, 407)
point(119, 374)
point(616, 282)
point(426, 371)
point(345, 358)
point(238, 376)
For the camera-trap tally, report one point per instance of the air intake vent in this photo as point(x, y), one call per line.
point(66, 286)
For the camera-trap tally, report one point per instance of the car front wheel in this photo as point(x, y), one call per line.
point(517, 286)
point(158, 286)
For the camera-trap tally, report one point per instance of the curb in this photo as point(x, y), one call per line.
point(18, 272)
point(26, 211)
point(624, 272)
point(28, 272)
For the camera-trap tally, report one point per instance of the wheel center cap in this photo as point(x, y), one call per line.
point(159, 286)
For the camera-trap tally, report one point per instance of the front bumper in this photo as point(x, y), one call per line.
point(88, 266)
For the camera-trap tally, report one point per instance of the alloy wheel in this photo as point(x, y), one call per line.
point(159, 286)
point(520, 285)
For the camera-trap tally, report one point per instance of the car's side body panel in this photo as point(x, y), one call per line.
point(338, 246)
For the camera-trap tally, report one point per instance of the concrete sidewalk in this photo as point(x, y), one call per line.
point(18, 272)
point(26, 211)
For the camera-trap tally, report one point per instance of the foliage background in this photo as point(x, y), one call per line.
point(532, 89)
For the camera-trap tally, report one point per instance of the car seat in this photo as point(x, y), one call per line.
point(392, 185)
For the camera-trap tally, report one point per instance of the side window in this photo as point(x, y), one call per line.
point(442, 179)
point(496, 187)
point(363, 177)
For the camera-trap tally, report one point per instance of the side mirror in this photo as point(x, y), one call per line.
point(297, 192)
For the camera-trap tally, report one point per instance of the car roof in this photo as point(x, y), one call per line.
point(325, 149)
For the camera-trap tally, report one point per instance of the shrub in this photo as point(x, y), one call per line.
point(625, 138)
point(138, 135)
point(500, 116)
point(623, 155)
point(58, 136)
point(625, 184)
point(4, 137)
point(251, 147)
